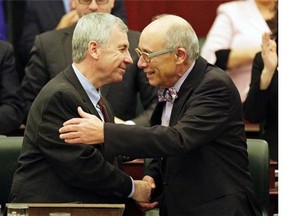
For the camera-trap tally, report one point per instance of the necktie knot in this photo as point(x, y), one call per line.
point(167, 94)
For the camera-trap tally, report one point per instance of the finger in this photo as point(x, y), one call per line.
point(69, 128)
point(147, 206)
point(73, 121)
point(70, 135)
point(73, 141)
point(84, 114)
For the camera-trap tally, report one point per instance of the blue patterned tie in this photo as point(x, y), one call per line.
point(167, 94)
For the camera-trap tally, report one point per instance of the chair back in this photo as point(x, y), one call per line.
point(258, 155)
point(10, 148)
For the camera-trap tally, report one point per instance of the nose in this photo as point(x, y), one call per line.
point(128, 59)
point(93, 5)
point(142, 63)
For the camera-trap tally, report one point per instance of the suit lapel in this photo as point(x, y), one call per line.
point(187, 88)
point(71, 76)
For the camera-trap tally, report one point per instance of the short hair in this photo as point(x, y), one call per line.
point(93, 26)
point(181, 34)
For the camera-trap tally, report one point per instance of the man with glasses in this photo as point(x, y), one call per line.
point(197, 135)
point(51, 54)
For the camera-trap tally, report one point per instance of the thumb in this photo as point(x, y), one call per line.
point(83, 114)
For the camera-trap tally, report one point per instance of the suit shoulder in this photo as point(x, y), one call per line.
point(55, 33)
point(6, 48)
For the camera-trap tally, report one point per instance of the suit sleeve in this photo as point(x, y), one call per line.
point(204, 116)
point(11, 99)
point(36, 75)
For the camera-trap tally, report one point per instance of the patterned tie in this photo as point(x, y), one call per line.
point(103, 110)
point(167, 94)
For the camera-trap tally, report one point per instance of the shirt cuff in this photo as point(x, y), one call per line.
point(133, 188)
point(130, 122)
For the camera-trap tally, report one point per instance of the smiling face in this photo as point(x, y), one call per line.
point(162, 69)
point(114, 57)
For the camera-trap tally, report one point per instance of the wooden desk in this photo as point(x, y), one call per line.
point(43, 209)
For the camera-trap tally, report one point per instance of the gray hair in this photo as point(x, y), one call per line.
point(93, 26)
point(181, 34)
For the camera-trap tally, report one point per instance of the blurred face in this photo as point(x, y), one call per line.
point(161, 70)
point(85, 7)
point(114, 57)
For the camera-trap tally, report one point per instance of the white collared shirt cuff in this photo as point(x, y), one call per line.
point(130, 122)
point(133, 188)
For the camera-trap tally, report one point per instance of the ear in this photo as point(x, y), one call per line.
point(72, 4)
point(112, 3)
point(180, 55)
point(93, 49)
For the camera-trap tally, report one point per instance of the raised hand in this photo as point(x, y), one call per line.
point(270, 60)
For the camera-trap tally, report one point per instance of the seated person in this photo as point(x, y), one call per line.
point(11, 98)
point(235, 38)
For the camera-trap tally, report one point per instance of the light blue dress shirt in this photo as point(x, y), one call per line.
point(167, 109)
point(66, 5)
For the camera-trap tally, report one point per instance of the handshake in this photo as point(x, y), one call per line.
point(143, 191)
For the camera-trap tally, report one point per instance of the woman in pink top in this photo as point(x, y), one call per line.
point(235, 38)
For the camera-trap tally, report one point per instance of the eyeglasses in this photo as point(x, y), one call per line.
point(147, 56)
point(88, 2)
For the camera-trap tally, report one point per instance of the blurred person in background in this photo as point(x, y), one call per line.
point(11, 98)
point(235, 38)
point(261, 105)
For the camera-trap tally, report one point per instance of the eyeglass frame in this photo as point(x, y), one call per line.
point(90, 1)
point(153, 54)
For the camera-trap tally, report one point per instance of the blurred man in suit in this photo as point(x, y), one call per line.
point(11, 98)
point(197, 136)
point(51, 54)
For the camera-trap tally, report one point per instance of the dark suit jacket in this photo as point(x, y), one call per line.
point(261, 106)
point(51, 170)
point(44, 15)
point(52, 53)
point(204, 165)
point(11, 98)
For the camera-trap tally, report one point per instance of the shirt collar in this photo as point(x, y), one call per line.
point(179, 83)
point(91, 91)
